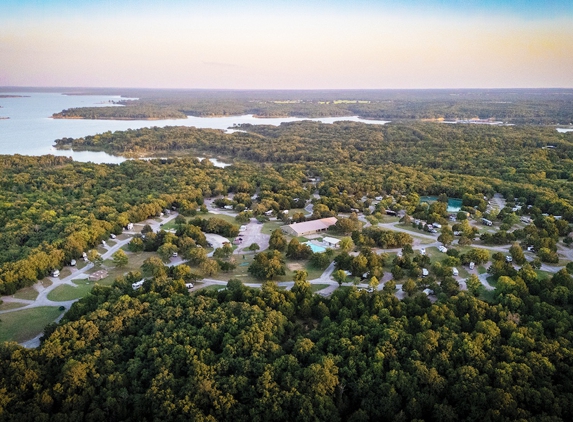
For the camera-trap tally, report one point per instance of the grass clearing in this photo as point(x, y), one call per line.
point(213, 287)
point(227, 218)
point(6, 306)
point(46, 282)
point(487, 295)
point(316, 287)
point(27, 293)
point(66, 292)
point(271, 226)
point(482, 270)
point(543, 274)
point(66, 272)
point(26, 324)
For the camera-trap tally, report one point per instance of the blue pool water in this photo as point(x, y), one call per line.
point(454, 204)
point(315, 248)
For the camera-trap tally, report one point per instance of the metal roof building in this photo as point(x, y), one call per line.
point(309, 227)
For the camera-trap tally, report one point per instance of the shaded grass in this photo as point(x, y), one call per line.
point(27, 293)
point(26, 324)
point(316, 287)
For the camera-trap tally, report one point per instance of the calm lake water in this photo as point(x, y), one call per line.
point(30, 130)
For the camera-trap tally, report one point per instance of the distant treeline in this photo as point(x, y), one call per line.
point(513, 106)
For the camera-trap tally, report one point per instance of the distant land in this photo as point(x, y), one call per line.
point(512, 106)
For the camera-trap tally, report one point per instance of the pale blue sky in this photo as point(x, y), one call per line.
point(287, 44)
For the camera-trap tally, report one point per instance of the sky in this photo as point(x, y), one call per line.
point(294, 44)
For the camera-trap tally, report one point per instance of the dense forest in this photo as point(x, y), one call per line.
point(427, 158)
point(128, 112)
point(528, 106)
point(244, 354)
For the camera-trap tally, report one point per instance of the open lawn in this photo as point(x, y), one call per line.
point(271, 226)
point(316, 287)
point(11, 305)
point(26, 324)
point(27, 293)
point(482, 269)
point(65, 292)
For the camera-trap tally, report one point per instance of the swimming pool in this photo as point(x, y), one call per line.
point(315, 248)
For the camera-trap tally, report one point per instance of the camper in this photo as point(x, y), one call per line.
point(425, 272)
point(137, 285)
point(487, 222)
point(472, 265)
point(422, 251)
point(508, 258)
point(455, 272)
point(56, 273)
point(112, 236)
point(189, 285)
point(73, 262)
point(442, 248)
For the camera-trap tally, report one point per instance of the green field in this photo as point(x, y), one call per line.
point(26, 324)
point(65, 292)
point(317, 287)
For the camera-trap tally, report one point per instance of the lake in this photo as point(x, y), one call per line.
point(30, 130)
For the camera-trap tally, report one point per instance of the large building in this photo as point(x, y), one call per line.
point(309, 227)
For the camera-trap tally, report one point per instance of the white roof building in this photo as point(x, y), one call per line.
point(331, 241)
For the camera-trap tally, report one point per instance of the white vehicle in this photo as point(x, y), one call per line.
point(442, 249)
point(228, 207)
point(437, 226)
point(73, 262)
point(423, 251)
point(425, 272)
point(174, 254)
point(56, 273)
point(428, 292)
point(508, 258)
point(455, 272)
point(112, 236)
point(137, 285)
point(103, 243)
point(189, 285)
point(242, 228)
point(472, 265)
